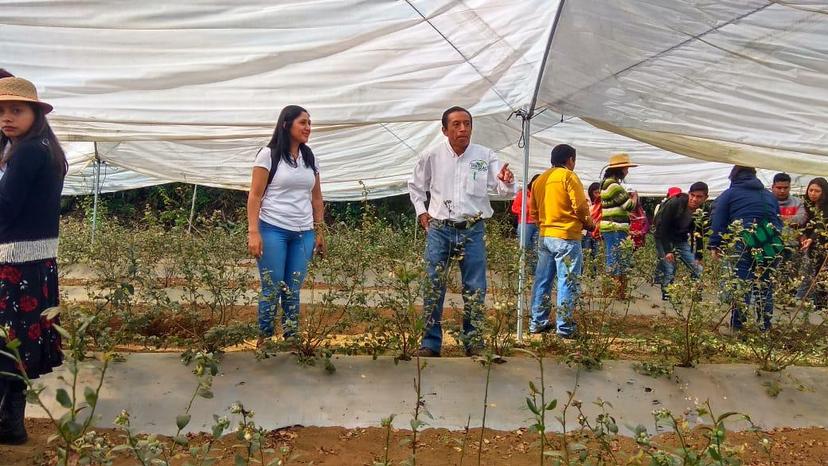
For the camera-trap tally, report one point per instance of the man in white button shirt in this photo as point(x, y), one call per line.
point(458, 175)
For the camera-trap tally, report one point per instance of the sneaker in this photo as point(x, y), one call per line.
point(427, 353)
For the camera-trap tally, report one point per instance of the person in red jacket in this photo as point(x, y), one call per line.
point(639, 226)
point(591, 238)
point(531, 236)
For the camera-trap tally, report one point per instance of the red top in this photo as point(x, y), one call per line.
point(516, 206)
point(595, 213)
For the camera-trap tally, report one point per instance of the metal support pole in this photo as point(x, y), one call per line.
point(522, 229)
point(527, 119)
point(97, 191)
point(192, 210)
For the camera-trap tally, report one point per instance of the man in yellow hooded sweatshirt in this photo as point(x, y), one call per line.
point(560, 206)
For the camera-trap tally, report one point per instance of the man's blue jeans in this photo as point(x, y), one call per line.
point(444, 243)
point(666, 270)
point(282, 269)
point(564, 259)
point(530, 240)
point(761, 290)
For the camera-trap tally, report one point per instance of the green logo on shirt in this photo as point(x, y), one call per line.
point(478, 166)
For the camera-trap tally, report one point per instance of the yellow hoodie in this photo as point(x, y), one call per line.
point(559, 203)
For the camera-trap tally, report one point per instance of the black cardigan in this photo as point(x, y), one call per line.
point(30, 204)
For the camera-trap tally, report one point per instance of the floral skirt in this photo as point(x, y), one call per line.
point(26, 290)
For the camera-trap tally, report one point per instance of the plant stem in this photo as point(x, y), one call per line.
point(465, 441)
point(416, 426)
point(485, 407)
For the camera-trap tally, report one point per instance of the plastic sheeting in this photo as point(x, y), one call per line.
point(740, 81)
point(188, 92)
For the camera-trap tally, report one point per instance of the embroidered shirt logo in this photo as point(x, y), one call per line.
point(478, 166)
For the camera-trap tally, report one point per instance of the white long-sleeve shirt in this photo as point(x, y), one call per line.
point(459, 184)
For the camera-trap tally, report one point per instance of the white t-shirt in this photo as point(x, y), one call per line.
point(287, 200)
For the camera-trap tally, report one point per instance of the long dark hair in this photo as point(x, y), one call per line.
point(821, 205)
point(42, 132)
point(280, 142)
point(593, 187)
point(532, 181)
point(617, 173)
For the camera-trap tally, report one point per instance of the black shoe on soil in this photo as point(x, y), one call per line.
point(427, 353)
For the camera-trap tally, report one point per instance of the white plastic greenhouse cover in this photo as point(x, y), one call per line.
point(187, 91)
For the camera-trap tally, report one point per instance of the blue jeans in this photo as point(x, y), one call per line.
point(282, 269)
point(666, 271)
point(617, 264)
point(760, 289)
point(531, 239)
point(562, 258)
point(589, 245)
point(444, 243)
point(812, 263)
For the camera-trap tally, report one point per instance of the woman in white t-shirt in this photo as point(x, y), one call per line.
point(284, 211)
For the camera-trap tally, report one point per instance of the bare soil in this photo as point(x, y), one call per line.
point(339, 446)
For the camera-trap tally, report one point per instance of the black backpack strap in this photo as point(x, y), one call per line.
point(273, 164)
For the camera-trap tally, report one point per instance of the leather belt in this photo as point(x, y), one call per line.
point(464, 225)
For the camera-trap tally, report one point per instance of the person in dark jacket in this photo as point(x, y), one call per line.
point(674, 224)
point(747, 201)
point(30, 188)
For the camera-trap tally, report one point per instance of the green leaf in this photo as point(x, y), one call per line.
point(551, 405)
point(63, 398)
point(62, 331)
point(239, 460)
point(73, 428)
point(182, 420)
point(533, 388)
point(13, 345)
point(218, 430)
point(51, 312)
point(90, 396)
point(532, 407)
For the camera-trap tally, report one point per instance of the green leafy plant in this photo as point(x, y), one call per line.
point(73, 434)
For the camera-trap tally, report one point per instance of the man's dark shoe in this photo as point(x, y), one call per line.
point(472, 352)
point(544, 329)
point(427, 353)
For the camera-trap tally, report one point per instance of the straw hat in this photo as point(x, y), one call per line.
point(20, 90)
point(620, 160)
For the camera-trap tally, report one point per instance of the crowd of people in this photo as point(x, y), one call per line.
point(564, 217)
point(449, 189)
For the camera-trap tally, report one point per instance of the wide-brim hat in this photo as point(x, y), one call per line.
point(620, 160)
point(21, 90)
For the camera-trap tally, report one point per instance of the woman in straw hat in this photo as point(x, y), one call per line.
point(30, 188)
point(616, 205)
